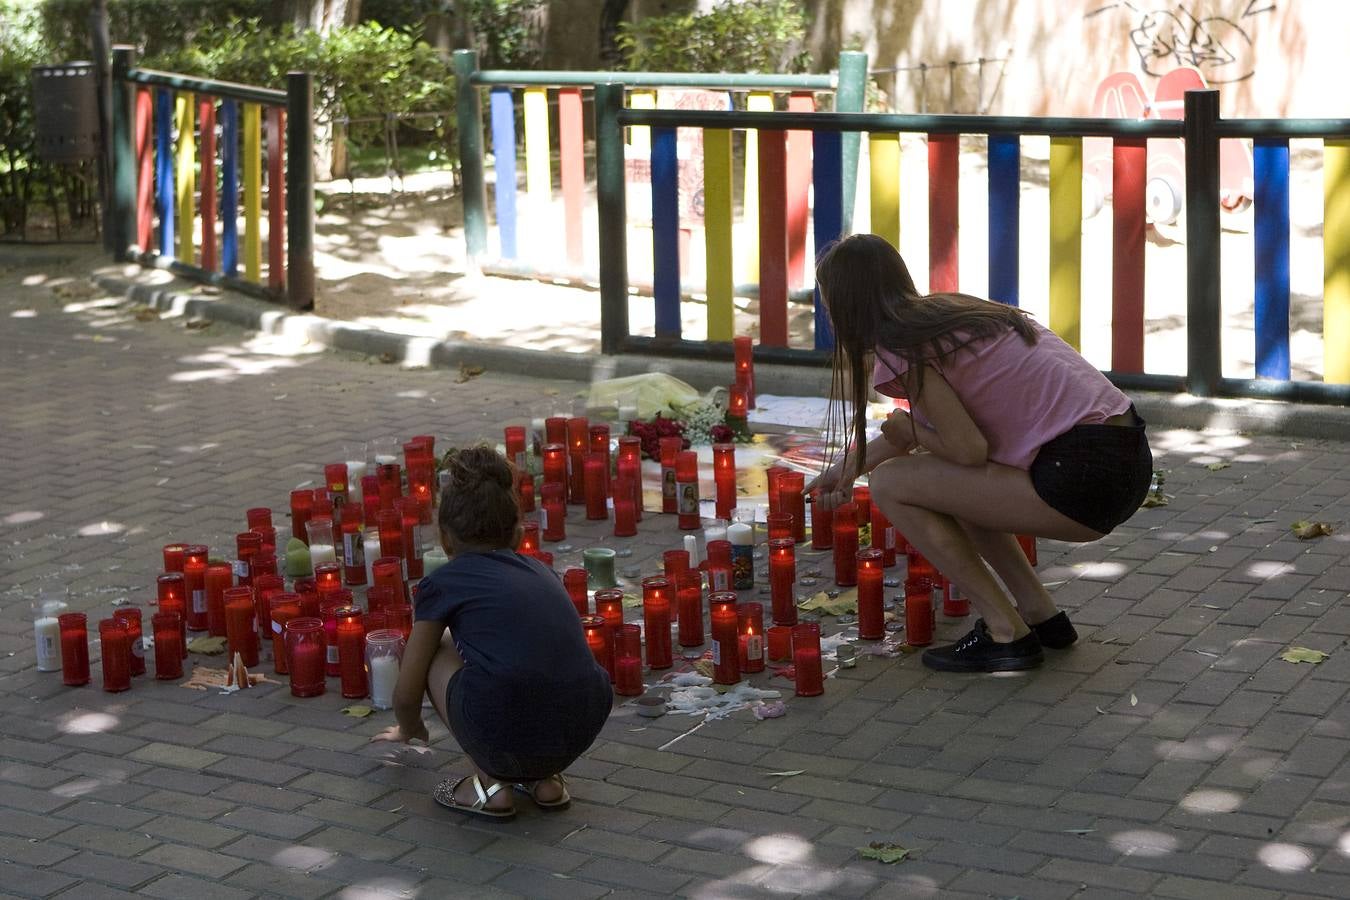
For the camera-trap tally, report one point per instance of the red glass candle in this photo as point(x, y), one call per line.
point(400, 618)
point(194, 582)
point(515, 445)
point(258, 517)
point(782, 578)
point(772, 474)
point(822, 524)
point(328, 615)
point(309, 599)
point(265, 587)
point(629, 464)
point(553, 516)
point(669, 448)
point(168, 631)
point(625, 512)
point(578, 442)
point(791, 500)
point(130, 617)
point(750, 625)
point(555, 463)
point(421, 477)
point(529, 538)
point(555, 430)
point(719, 577)
point(862, 500)
point(219, 578)
point(883, 536)
point(525, 492)
point(74, 629)
point(780, 643)
point(327, 577)
point(725, 640)
point(322, 507)
point(247, 544)
point(724, 479)
point(1028, 545)
point(112, 634)
point(738, 405)
point(302, 507)
point(281, 608)
point(744, 352)
point(806, 660)
point(335, 476)
point(376, 621)
point(600, 444)
point(656, 596)
point(918, 566)
point(918, 612)
point(174, 555)
point(845, 545)
point(388, 572)
point(686, 488)
point(391, 533)
point(171, 593)
point(627, 663)
point(609, 606)
point(719, 552)
point(689, 602)
point(353, 545)
point(594, 475)
point(675, 563)
point(871, 616)
point(574, 582)
point(370, 499)
point(241, 630)
point(545, 557)
point(380, 597)
point(410, 514)
point(305, 651)
point(262, 565)
point(598, 639)
point(389, 483)
point(954, 601)
point(351, 647)
point(779, 525)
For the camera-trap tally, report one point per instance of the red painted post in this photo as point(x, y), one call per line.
point(798, 184)
point(206, 115)
point(145, 166)
point(573, 166)
point(773, 237)
point(276, 199)
point(1129, 166)
point(944, 178)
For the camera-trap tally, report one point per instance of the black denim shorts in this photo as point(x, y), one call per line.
point(1096, 475)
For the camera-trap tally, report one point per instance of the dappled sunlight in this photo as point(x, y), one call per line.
point(23, 314)
point(228, 363)
point(1142, 842)
point(1211, 801)
point(415, 394)
point(79, 722)
point(778, 848)
point(1102, 569)
point(1199, 749)
point(33, 280)
point(98, 529)
point(380, 887)
point(1266, 569)
point(201, 448)
point(23, 517)
point(1189, 443)
point(77, 788)
point(1343, 845)
point(1287, 858)
point(110, 304)
point(1260, 766)
point(303, 859)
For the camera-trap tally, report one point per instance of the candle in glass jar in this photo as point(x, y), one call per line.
point(400, 616)
point(515, 445)
point(47, 632)
point(130, 617)
point(669, 448)
point(686, 488)
point(258, 517)
point(383, 650)
point(918, 566)
point(609, 606)
point(779, 643)
point(168, 631)
point(918, 612)
point(281, 608)
point(218, 579)
point(725, 640)
point(862, 502)
point(771, 475)
point(782, 578)
point(553, 511)
point(738, 406)
point(391, 535)
point(625, 516)
point(691, 548)
point(241, 631)
point(525, 492)
point(627, 663)
point(744, 353)
point(116, 645)
point(656, 595)
point(594, 475)
point(689, 612)
point(599, 443)
point(724, 479)
point(74, 648)
point(322, 550)
point(194, 583)
point(955, 604)
point(389, 483)
point(883, 536)
point(574, 582)
point(302, 506)
point(170, 593)
point(529, 538)
point(578, 442)
point(305, 656)
point(414, 535)
point(598, 639)
point(750, 625)
point(353, 545)
point(806, 660)
point(779, 525)
point(792, 500)
point(871, 616)
point(247, 544)
point(822, 523)
point(351, 644)
point(741, 537)
point(370, 499)
point(629, 463)
point(845, 545)
point(555, 464)
point(674, 563)
point(176, 554)
point(555, 430)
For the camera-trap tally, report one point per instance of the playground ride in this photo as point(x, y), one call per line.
point(1121, 95)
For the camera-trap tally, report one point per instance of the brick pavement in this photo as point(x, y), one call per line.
point(1170, 753)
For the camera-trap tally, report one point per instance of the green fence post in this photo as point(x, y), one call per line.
point(609, 188)
point(1203, 282)
point(122, 223)
point(300, 190)
point(469, 120)
point(849, 96)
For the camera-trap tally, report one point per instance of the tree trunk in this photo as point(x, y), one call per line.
point(610, 16)
point(330, 139)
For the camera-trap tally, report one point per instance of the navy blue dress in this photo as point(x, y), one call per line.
point(530, 698)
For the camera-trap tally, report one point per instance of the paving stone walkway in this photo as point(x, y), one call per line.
point(1171, 753)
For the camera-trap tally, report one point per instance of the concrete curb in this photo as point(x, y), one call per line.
point(1161, 410)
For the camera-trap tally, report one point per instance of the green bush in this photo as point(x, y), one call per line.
point(749, 36)
point(21, 48)
point(155, 26)
point(506, 32)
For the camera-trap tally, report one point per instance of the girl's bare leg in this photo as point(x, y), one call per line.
point(1001, 550)
point(444, 665)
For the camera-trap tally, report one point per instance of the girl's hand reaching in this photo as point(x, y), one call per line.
point(898, 430)
point(396, 734)
point(834, 488)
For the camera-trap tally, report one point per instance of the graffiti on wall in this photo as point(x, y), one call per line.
point(1219, 46)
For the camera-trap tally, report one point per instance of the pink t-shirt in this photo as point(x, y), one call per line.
point(1019, 395)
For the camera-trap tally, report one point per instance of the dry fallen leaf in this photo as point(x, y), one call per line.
point(357, 712)
point(467, 371)
point(1303, 655)
point(207, 645)
point(387, 358)
point(1154, 498)
point(884, 851)
point(197, 324)
point(1306, 531)
point(146, 314)
point(1134, 701)
point(1216, 466)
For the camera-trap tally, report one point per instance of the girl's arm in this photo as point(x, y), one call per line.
point(422, 646)
point(954, 436)
point(836, 482)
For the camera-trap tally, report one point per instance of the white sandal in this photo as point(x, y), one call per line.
point(563, 801)
point(444, 794)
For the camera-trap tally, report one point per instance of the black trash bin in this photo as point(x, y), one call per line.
point(65, 106)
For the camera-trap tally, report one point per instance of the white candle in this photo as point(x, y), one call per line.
point(383, 677)
point(372, 543)
point(691, 547)
point(47, 634)
point(432, 560)
point(742, 538)
point(714, 533)
point(384, 459)
point(322, 553)
point(356, 470)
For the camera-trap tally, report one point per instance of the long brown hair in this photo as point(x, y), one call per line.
point(872, 302)
point(479, 504)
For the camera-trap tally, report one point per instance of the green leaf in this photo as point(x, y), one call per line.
point(884, 851)
point(1216, 466)
point(1303, 655)
point(1306, 531)
point(357, 712)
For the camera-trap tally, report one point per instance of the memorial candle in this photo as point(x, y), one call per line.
point(609, 606)
point(738, 406)
point(370, 499)
point(525, 491)
point(529, 538)
point(691, 547)
point(130, 617)
point(599, 640)
point(389, 481)
point(744, 351)
point(627, 663)
point(281, 608)
point(724, 479)
point(241, 631)
point(335, 477)
point(918, 566)
point(630, 463)
point(725, 640)
point(384, 649)
point(689, 612)
point(47, 633)
point(171, 593)
point(218, 579)
point(421, 482)
point(391, 534)
point(918, 612)
point(116, 645)
point(599, 443)
point(686, 488)
point(772, 474)
point(883, 536)
point(574, 582)
point(750, 625)
point(351, 646)
point(871, 617)
point(328, 615)
point(578, 441)
point(167, 628)
point(720, 565)
point(305, 651)
point(741, 537)
point(258, 517)
point(656, 596)
point(780, 525)
point(174, 555)
point(806, 660)
point(954, 601)
point(669, 448)
point(555, 430)
point(779, 643)
point(674, 563)
point(194, 583)
point(353, 545)
point(594, 478)
point(247, 544)
point(302, 507)
point(555, 464)
point(822, 523)
point(356, 470)
point(554, 512)
point(322, 548)
point(410, 513)
point(862, 500)
point(400, 616)
point(516, 445)
point(74, 648)
point(845, 545)
point(323, 506)
point(782, 578)
point(625, 515)
point(791, 500)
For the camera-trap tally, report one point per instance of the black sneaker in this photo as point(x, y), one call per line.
point(979, 652)
point(1056, 632)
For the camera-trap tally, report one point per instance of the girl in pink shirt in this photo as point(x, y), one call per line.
point(1023, 436)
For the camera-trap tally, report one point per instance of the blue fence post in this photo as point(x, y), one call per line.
point(164, 170)
point(1005, 185)
point(1270, 163)
point(666, 233)
point(827, 177)
point(502, 110)
point(229, 183)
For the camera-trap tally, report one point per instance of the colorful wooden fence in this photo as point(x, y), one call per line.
point(172, 134)
point(1201, 130)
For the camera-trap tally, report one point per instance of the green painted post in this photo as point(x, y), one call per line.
point(1204, 366)
point(300, 190)
point(609, 187)
point(469, 120)
point(849, 96)
point(122, 224)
